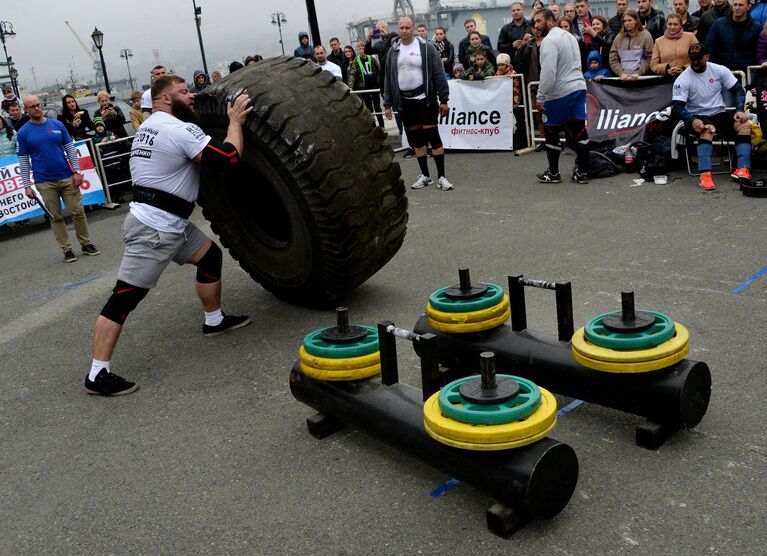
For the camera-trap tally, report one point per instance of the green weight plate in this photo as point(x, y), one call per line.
point(524, 404)
point(315, 345)
point(440, 301)
point(661, 331)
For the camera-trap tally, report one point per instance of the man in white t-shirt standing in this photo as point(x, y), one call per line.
point(416, 87)
point(698, 100)
point(146, 97)
point(166, 155)
point(321, 55)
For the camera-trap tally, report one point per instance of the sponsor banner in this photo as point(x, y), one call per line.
point(625, 115)
point(15, 205)
point(480, 115)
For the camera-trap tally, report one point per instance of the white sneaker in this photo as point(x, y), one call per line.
point(423, 181)
point(443, 184)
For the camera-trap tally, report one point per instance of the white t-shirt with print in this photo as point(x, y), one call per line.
point(161, 158)
point(335, 69)
point(146, 99)
point(703, 91)
point(410, 67)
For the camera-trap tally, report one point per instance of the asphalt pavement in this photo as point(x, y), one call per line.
point(211, 455)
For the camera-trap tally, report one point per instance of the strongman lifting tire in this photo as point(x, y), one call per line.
point(316, 205)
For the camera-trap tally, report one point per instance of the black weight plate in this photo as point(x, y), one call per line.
point(756, 188)
point(455, 292)
point(505, 390)
point(615, 323)
point(334, 336)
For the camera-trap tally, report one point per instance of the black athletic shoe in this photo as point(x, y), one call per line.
point(580, 177)
point(230, 322)
point(69, 256)
point(109, 384)
point(90, 249)
point(548, 177)
point(410, 153)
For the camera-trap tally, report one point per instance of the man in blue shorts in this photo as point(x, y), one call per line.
point(166, 155)
point(562, 98)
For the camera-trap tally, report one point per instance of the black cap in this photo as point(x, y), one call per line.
point(697, 51)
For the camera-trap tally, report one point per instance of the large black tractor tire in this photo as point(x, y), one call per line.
point(316, 205)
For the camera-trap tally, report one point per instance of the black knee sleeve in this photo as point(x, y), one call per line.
point(577, 129)
point(416, 137)
point(209, 266)
point(551, 136)
point(432, 137)
point(123, 300)
point(742, 139)
point(704, 142)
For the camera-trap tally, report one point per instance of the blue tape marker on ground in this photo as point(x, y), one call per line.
point(568, 408)
point(439, 491)
point(750, 281)
point(54, 291)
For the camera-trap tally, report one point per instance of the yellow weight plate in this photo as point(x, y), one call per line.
point(456, 328)
point(490, 447)
point(347, 364)
point(472, 316)
point(540, 421)
point(588, 350)
point(355, 374)
point(637, 367)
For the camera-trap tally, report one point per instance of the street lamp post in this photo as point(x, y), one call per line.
point(13, 73)
point(198, 21)
point(6, 30)
point(127, 53)
point(98, 40)
point(278, 18)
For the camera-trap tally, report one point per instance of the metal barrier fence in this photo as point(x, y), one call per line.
point(102, 161)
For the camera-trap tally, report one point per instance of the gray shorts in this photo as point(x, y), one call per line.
point(148, 251)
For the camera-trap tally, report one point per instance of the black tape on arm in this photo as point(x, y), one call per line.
point(219, 155)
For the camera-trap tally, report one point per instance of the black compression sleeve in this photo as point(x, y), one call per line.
point(220, 155)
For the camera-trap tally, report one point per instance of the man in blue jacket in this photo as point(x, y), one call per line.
point(732, 39)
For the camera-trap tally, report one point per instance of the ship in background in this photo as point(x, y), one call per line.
point(490, 17)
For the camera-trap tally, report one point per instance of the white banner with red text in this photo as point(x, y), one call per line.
point(480, 115)
point(15, 205)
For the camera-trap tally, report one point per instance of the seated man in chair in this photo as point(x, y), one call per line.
point(698, 100)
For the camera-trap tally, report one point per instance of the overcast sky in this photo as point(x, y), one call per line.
point(232, 29)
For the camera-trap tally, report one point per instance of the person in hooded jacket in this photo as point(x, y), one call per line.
point(596, 71)
point(200, 81)
point(305, 49)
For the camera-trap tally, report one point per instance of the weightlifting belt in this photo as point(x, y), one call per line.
point(163, 200)
point(412, 93)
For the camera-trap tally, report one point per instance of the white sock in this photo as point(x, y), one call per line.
point(214, 318)
point(96, 366)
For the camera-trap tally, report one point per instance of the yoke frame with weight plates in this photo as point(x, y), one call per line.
point(532, 482)
point(670, 399)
